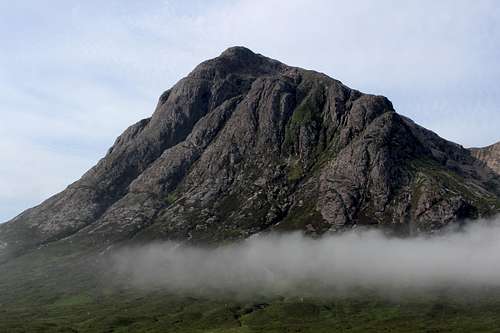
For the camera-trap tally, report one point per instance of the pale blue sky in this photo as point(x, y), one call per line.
point(75, 74)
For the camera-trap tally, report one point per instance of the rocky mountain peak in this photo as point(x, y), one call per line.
point(236, 61)
point(246, 144)
point(240, 52)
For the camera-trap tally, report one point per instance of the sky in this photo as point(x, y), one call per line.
point(74, 74)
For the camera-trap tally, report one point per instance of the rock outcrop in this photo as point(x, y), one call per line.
point(489, 155)
point(246, 144)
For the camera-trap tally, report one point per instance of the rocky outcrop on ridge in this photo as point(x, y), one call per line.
point(489, 155)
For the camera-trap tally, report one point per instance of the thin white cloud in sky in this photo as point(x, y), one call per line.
point(74, 75)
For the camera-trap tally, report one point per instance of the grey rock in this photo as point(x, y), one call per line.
point(489, 155)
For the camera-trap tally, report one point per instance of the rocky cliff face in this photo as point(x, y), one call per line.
point(245, 144)
point(489, 155)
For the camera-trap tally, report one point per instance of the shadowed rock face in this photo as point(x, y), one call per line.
point(489, 155)
point(245, 144)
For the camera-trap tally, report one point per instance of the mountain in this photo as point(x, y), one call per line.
point(246, 144)
point(489, 155)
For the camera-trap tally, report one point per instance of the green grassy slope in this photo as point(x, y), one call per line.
point(157, 312)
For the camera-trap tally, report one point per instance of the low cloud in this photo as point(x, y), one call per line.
point(296, 265)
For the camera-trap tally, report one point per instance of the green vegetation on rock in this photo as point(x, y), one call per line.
point(171, 198)
point(295, 172)
point(309, 110)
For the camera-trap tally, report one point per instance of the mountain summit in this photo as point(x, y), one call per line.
point(246, 144)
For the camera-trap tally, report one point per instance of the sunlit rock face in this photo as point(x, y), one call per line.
point(246, 144)
point(489, 155)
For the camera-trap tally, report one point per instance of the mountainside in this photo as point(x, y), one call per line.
point(489, 155)
point(245, 144)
